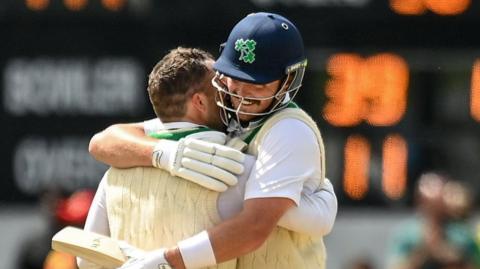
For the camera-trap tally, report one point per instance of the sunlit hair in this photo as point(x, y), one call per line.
point(175, 78)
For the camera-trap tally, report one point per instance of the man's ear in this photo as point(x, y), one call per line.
point(199, 101)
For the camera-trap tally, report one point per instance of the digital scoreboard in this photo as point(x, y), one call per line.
point(390, 117)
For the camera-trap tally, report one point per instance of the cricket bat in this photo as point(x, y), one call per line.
point(93, 247)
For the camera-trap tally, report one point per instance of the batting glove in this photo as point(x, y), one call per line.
point(139, 259)
point(208, 164)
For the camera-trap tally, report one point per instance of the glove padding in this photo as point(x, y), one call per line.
point(210, 165)
point(139, 259)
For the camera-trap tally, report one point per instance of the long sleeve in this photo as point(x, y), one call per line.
point(97, 221)
point(315, 214)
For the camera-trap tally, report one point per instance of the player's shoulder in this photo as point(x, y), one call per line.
point(291, 130)
point(288, 115)
point(291, 125)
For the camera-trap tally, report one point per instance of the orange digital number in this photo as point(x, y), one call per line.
point(419, 7)
point(75, 5)
point(113, 5)
point(394, 175)
point(357, 164)
point(475, 91)
point(372, 89)
point(37, 5)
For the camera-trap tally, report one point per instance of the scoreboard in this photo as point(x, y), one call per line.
point(394, 85)
point(389, 116)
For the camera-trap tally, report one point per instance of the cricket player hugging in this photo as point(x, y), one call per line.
point(213, 219)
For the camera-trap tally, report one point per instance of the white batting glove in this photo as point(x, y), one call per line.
point(139, 259)
point(208, 164)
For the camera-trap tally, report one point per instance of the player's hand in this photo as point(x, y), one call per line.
point(208, 164)
point(139, 259)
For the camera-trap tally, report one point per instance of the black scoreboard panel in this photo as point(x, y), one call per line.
point(394, 85)
point(389, 115)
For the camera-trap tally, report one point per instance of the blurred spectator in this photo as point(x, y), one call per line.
point(60, 210)
point(361, 263)
point(439, 236)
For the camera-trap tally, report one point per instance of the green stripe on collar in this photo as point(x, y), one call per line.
point(292, 105)
point(178, 134)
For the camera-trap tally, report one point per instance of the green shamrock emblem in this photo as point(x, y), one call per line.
point(246, 49)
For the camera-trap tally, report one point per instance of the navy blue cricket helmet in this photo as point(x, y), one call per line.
point(261, 48)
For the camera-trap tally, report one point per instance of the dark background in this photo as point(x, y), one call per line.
point(67, 74)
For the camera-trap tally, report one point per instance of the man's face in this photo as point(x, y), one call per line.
point(247, 91)
point(212, 115)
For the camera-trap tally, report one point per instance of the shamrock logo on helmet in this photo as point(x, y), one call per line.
point(246, 49)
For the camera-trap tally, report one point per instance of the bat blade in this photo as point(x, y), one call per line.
point(93, 247)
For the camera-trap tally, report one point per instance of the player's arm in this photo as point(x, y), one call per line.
point(235, 237)
point(295, 166)
point(123, 146)
point(273, 187)
point(97, 221)
point(248, 230)
point(314, 216)
point(232, 238)
point(194, 158)
point(316, 213)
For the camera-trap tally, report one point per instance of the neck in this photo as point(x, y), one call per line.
point(237, 128)
point(185, 118)
point(170, 120)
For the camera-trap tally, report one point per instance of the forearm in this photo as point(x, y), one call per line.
point(123, 146)
point(238, 237)
point(316, 213)
point(230, 239)
point(243, 233)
